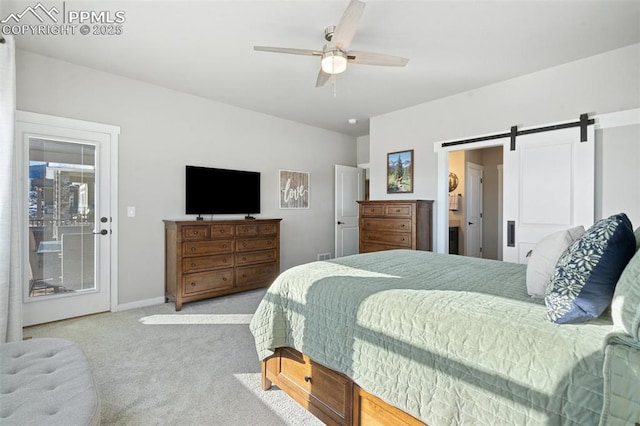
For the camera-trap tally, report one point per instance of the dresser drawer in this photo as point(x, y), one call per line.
point(399, 225)
point(397, 210)
point(195, 232)
point(372, 210)
point(247, 230)
point(331, 388)
point(250, 244)
point(267, 229)
point(371, 410)
point(252, 257)
point(222, 231)
point(207, 281)
point(202, 263)
point(199, 248)
point(396, 238)
point(367, 247)
point(246, 275)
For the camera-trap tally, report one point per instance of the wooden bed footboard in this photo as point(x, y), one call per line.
point(331, 396)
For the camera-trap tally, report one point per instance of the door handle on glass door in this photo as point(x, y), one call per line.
point(340, 223)
point(102, 232)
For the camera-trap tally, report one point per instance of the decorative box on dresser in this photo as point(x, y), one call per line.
point(395, 224)
point(206, 259)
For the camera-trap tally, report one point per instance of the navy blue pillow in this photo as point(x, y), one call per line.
point(586, 274)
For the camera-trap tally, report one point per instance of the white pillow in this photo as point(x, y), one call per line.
point(544, 257)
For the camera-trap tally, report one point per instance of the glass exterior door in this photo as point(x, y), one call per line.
point(62, 189)
point(69, 190)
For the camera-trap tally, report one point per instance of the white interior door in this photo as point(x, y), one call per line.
point(548, 186)
point(68, 221)
point(349, 188)
point(473, 210)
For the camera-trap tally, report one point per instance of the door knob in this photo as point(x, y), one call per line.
point(470, 223)
point(340, 223)
point(102, 232)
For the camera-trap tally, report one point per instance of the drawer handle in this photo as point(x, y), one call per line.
point(244, 275)
point(224, 260)
point(193, 249)
point(244, 257)
point(307, 379)
point(244, 244)
point(222, 231)
point(193, 265)
point(224, 278)
point(397, 210)
point(193, 284)
point(224, 246)
point(402, 226)
point(402, 239)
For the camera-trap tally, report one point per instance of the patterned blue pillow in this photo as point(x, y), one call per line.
point(586, 274)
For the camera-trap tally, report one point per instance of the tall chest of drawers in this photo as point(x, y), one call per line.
point(206, 259)
point(401, 224)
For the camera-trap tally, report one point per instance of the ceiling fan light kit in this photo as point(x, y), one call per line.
point(333, 61)
point(335, 55)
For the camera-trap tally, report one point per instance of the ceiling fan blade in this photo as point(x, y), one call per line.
point(323, 77)
point(289, 50)
point(346, 28)
point(368, 58)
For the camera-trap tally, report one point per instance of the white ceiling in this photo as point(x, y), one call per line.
point(206, 48)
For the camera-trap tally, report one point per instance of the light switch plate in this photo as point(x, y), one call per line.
point(131, 212)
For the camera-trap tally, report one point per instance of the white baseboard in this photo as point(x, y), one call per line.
point(141, 303)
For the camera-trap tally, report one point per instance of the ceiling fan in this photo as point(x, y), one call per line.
point(335, 53)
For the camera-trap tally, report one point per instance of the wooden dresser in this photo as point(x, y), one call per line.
point(388, 225)
point(205, 259)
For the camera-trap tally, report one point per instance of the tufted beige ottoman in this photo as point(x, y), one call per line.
point(46, 382)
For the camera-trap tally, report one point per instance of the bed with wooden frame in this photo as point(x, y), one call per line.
point(409, 337)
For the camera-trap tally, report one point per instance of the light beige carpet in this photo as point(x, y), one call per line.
point(155, 366)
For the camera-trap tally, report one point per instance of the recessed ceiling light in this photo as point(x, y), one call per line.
point(352, 121)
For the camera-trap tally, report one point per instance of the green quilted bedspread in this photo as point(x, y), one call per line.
point(449, 339)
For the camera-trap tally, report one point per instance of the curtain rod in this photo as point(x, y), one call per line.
point(582, 123)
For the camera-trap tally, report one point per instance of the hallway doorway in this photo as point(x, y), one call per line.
point(486, 223)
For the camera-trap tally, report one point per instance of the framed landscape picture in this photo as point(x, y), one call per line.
point(400, 172)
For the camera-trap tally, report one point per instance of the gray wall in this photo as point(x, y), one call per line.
point(163, 130)
point(599, 84)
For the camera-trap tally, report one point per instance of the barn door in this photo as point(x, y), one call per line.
point(548, 186)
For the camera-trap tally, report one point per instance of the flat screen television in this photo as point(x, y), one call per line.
point(221, 191)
